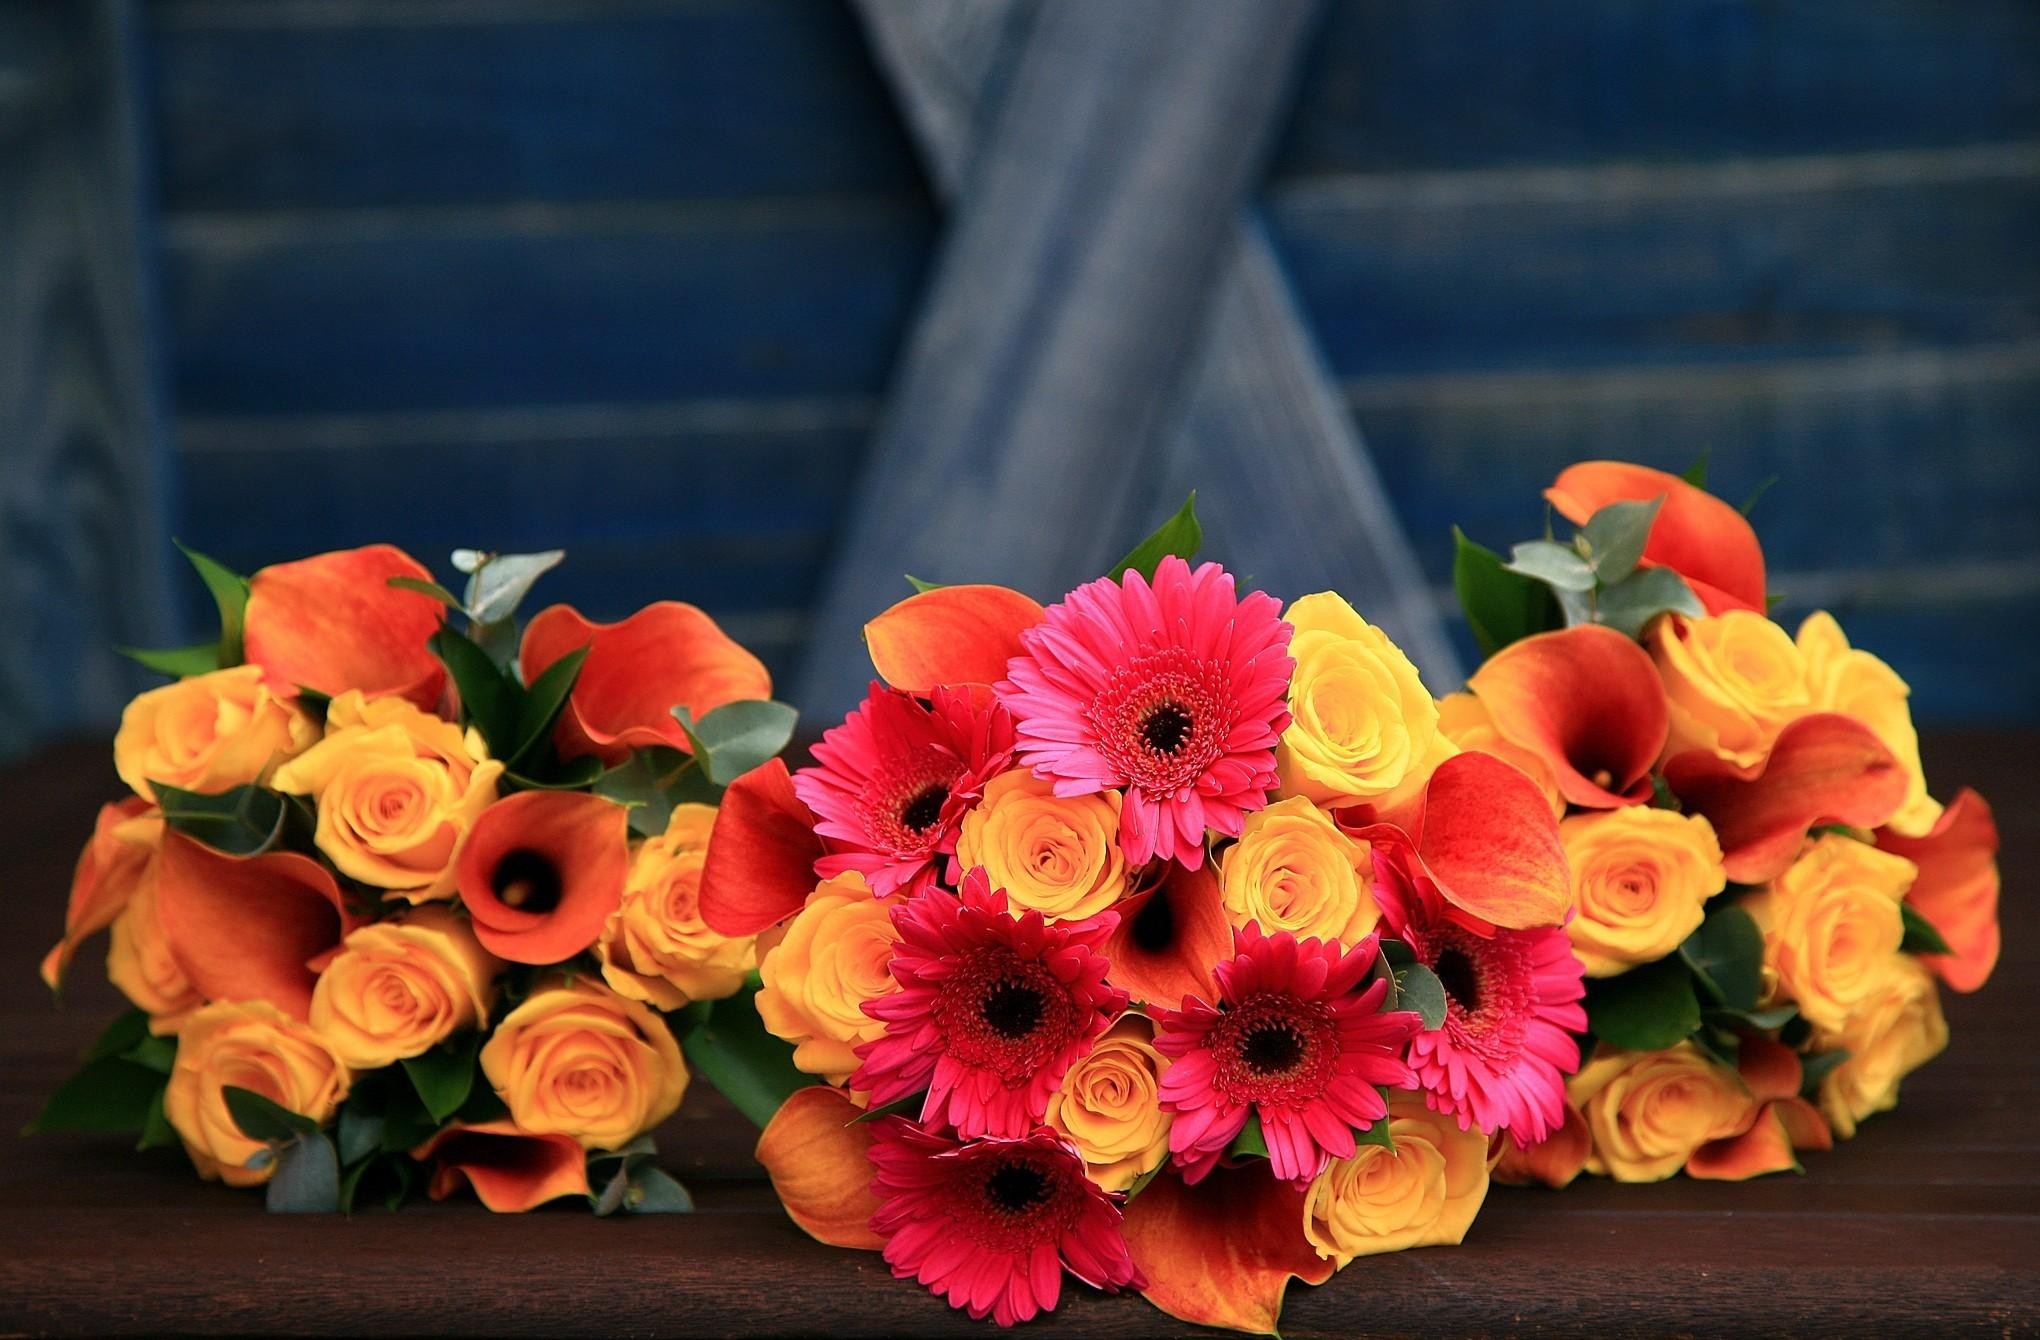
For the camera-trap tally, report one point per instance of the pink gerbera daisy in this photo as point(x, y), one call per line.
point(1294, 1039)
point(992, 1009)
point(891, 785)
point(991, 1225)
point(1175, 691)
point(1512, 1006)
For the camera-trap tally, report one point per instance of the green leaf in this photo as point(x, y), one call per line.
point(1643, 595)
point(177, 661)
point(492, 699)
point(360, 1130)
point(1920, 935)
point(737, 737)
point(1251, 1142)
point(262, 1118)
point(547, 773)
point(1615, 537)
point(1378, 1133)
point(1726, 955)
point(922, 587)
point(1720, 1043)
point(1696, 473)
point(1556, 565)
point(652, 1191)
point(1813, 1069)
point(1749, 504)
point(245, 821)
point(1179, 535)
point(157, 1132)
point(647, 781)
point(230, 593)
point(129, 1029)
point(1418, 988)
point(1397, 953)
point(1645, 1008)
point(107, 1094)
point(1500, 606)
point(153, 1053)
point(1761, 1021)
point(500, 582)
point(540, 704)
point(746, 1064)
point(908, 1107)
point(425, 588)
point(444, 1075)
point(307, 1178)
point(610, 1199)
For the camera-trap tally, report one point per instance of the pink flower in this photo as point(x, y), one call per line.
point(1175, 691)
point(992, 1009)
point(991, 1225)
point(1512, 1006)
point(891, 785)
point(1293, 1039)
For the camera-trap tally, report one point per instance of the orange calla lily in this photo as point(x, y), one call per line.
point(1957, 887)
point(1169, 936)
point(1765, 1147)
point(1696, 534)
point(1554, 1161)
point(248, 928)
point(1783, 1122)
point(333, 622)
point(107, 871)
point(1588, 702)
point(541, 871)
point(950, 635)
point(1222, 1253)
point(510, 1169)
point(762, 851)
point(666, 655)
point(820, 1166)
point(1823, 769)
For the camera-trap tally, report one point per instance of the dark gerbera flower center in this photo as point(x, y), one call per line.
point(1491, 989)
point(1016, 1186)
point(1006, 1014)
point(527, 880)
point(1009, 1198)
point(1164, 719)
point(924, 810)
point(1456, 974)
point(1012, 1009)
point(904, 801)
point(1167, 728)
point(1273, 1048)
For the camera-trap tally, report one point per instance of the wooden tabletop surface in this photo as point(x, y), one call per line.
point(1927, 1223)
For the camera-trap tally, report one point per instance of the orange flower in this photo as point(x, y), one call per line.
point(655, 947)
point(818, 1156)
point(248, 929)
point(1465, 721)
point(123, 845)
point(1957, 887)
point(1222, 1253)
point(577, 1059)
point(762, 851)
point(1696, 534)
point(950, 635)
point(541, 871)
point(510, 1169)
point(245, 1045)
point(333, 623)
point(1586, 701)
point(139, 962)
point(208, 733)
point(1169, 936)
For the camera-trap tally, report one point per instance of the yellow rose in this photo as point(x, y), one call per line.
point(655, 947)
point(1363, 728)
point(1831, 922)
point(1466, 722)
point(1646, 1112)
point(1732, 682)
point(836, 955)
point(1841, 678)
point(1641, 881)
point(211, 733)
point(1057, 855)
point(400, 988)
point(1293, 870)
point(139, 962)
point(245, 1045)
point(1423, 1193)
point(396, 789)
point(1110, 1106)
point(1894, 1030)
point(577, 1059)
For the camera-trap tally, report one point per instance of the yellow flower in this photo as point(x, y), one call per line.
point(655, 947)
point(577, 1059)
point(1364, 728)
point(400, 988)
point(1057, 855)
point(1641, 881)
point(1466, 722)
point(245, 1045)
point(1647, 1112)
point(836, 955)
point(1831, 922)
point(1293, 870)
point(210, 732)
point(1110, 1106)
point(1423, 1193)
point(397, 790)
point(139, 962)
point(1732, 682)
point(1894, 1030)
point(1843, 679)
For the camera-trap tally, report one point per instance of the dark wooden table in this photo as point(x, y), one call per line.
point(1927, 1223)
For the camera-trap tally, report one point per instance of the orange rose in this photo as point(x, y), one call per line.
point(1056, 855)
point(400, 988)
point(655, 947)
point(1733, 681)
point(1109, 1106)
point(1466, 722)
point(245, 1045)
point(1641, 881)
point(836, 956)
point(577, 1059)
point(208, 733)
point(1896, 1028)
point(1831, 924)
point(1293, 870)
point(333, 622)
point(1841, 678)
point(1423, 1193)
point(1649, 1112)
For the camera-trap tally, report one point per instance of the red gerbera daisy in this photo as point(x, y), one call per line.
point(1174, 690)
point(893, 782)
point(1293, 1039)
point(1512, 1006)
point(991, 1225)
point(992, 1009)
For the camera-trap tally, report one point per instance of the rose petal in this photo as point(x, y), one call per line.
point(1169, 936)
point(104, 876)
point(578, 842)
point(1957, 887)
point(950, 635)
point(1586, 700)
point(333, 623)
point(762, 851)
point(1553, 1162)
point(511, 1170)
point(1696, 534)
point(1764, 1148)
point(1222, 1253)
point(247, 929)
point(820, 1166)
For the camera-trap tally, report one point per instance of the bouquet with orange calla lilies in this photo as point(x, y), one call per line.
point(405, 898)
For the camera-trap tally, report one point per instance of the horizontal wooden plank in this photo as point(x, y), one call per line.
point(1398, 84)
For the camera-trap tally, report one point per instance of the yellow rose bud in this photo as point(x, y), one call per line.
point(1841, 678)
point(1646, 1112)
point(1293, 870)
point(655, 947)
point(1641, 881)
point(400, 988)
point(1363, 727)
point(1423, 1193)
point(396, 789)
point(1732, 682)
point(1110, 1106)
point(577, 1059)
point(836, 955)
point(1056, 855)
point(139, 962)
point(246, 1045)
point(1831, 924)
point(210, 733)
point(1465, 721)
point(1894, 1030)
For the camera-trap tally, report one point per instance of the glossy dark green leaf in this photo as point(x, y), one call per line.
point(153, 1053)
point(609, 1199)
point(1761, 1021)
point(1726, 955)
point(246, 821)
point(177, 661)
point(1615, 536)
point(1250, 1143)
point(126, 1031)
point(107, 1094)
point(1418, 988)
point(1813, 1069)
point(1920, 935)
point(541, 702)
point(1696, 473)
point(1558, 566)
point(737, 737)
point(921, 586)
point(1500, 606)
point(307, 1178)
point(444, 1075)
point(425, 588)
point(746, 1064)
point(1378, 1133)
point(489, 696)
point(1749, 504)
point(262, 1118)
point(1180, 535)
point(157, 1132)
point(1645, 1008)
point(230, 594)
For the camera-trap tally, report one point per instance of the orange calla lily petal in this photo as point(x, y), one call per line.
point(248, 928)
point(1553, 1162)
point(1769, 1070)
point(1587, 701)
point(821, 1167)
point(1804, 1124)
point(950, 635)
point(1696, 534)
point(1490, 843)
point(1957, 888)
point(105, 875)
point(1169, 936)
point(762, 851)
point(1222, 1253)
point(333, 623)
point(666, 655)
point(510, 1169)
point(1765, 1147)
point(541, 871)
point(1823, 769)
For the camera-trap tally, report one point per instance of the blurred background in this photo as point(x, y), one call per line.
point(742, 302)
